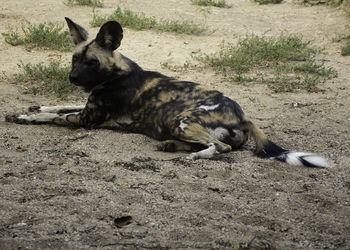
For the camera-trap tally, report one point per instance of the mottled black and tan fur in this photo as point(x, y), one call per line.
point(181, 114)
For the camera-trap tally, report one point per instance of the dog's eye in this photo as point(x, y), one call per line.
point(75, 58)
point(93, 62)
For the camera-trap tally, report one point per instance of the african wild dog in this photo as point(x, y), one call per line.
point(180, 113)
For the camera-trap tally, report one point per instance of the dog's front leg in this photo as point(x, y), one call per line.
point(56, 109)
point(87, 117)
point(42, 118)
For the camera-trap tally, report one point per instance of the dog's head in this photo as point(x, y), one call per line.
point(94, 61)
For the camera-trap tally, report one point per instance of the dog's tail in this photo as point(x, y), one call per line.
point(267, 149)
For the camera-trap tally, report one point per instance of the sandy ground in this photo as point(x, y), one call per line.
point(66, 189)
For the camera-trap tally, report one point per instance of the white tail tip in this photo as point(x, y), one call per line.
point(305, 159)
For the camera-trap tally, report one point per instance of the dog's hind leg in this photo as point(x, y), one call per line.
point(174, 145)
point(56, 109)
point(193, 132)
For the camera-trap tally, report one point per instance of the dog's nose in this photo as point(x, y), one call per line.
point(73, 78)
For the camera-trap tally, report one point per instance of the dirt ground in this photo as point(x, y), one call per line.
point(64, 188)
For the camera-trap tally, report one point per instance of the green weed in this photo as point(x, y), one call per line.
point(181, 27)
point(92, 3)
point(285, 60)
point(312, 67)
point(345, 50)
point(44, 35)
point(344, 37)
point(126, 18)
point(52, 78)
point(328, 2)
point(138, 21)
point(215, 3)
point(268, 1)
point(186, 66)
point(13, 37)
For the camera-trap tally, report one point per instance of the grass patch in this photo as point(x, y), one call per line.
point(181, 27)
point(126, 18)
point(13, 37)
point(138, 21)
point(268, 1)
point(285, 63)
point(51, 78)
point(345, 50)
point(215, 3)
point(344, 38)
point(328, 2)
point(92, 3)
point(44, 35)
point(187, 65)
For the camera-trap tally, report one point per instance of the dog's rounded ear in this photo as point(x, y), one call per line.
point(110, 35)
point(77, 33)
